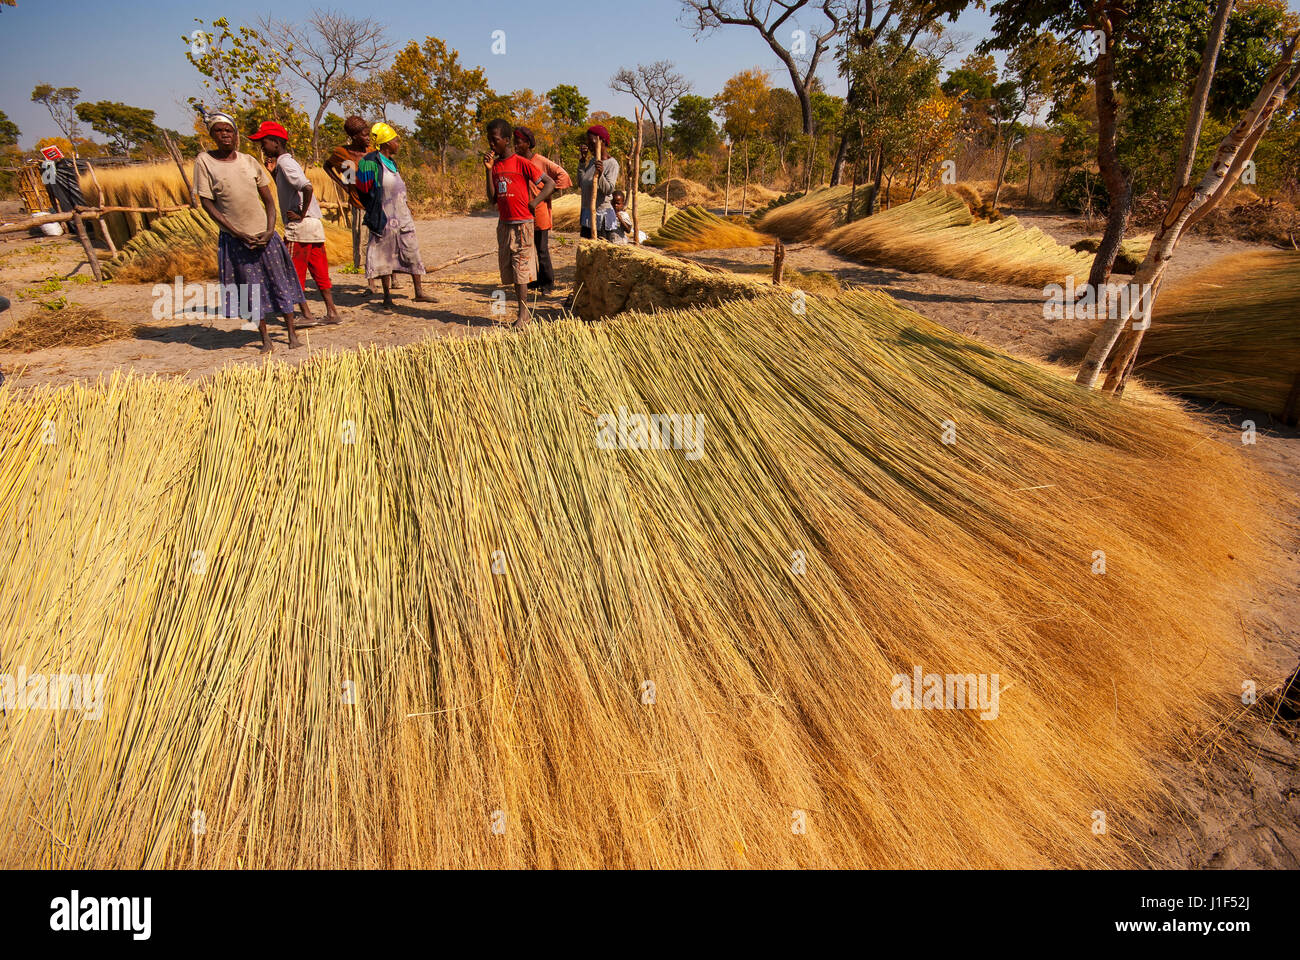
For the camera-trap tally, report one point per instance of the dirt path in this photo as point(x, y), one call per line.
point(1228, 808)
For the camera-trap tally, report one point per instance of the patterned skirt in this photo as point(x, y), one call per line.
point(256, 282)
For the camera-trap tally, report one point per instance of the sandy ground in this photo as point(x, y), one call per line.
point(1234, 795)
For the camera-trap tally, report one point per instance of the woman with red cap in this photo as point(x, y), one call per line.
point(597, 181)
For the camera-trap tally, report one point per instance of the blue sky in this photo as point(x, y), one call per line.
point(132, 51)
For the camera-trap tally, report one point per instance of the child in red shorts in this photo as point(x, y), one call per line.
point(304, 231)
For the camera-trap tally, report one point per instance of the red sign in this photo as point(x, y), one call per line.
point(51, 153)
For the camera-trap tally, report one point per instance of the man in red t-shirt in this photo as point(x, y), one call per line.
point(508, 179)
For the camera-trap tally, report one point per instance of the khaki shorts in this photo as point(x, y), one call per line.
point(516, 255)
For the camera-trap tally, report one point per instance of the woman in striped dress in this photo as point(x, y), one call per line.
point(254, 268)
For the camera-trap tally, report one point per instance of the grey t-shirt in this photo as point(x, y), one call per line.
point(290, 180)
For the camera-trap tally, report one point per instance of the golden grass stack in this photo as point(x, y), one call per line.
point(360, 612)
point(567, 211)
point(1233, 336)
point(615, 278)
point(936, 233)
point(697, 229)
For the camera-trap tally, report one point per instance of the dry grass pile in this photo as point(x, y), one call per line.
point(1233, 337)
point(697, 229)
point(69, 325)
point(567, 211)
point(1244, 215)
point(936, 233)
point(184, 244)
point(688, 193)
point(160, 184)
point(617, 278)
point(809, 218)
point(404, 609)
point(1132, 251)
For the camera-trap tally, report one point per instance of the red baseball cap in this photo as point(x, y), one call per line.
point(270, 128)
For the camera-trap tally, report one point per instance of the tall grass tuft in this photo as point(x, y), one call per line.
point(398, 608)
point(1233, 336)
point(697, 229)
point(936, 233)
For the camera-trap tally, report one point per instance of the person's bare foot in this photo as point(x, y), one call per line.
point(305, 322)
point(331, 319)
point(266, 349)
point(294, 342)
point(425, 298)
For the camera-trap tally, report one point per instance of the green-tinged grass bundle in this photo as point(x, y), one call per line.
point(936, 233)
point(1233, 336)
point(811, 216)
point(615, 278)
point(439, 606)
point(567, 211)
point(697, 229)
point(184, 244)
point(1132, 251)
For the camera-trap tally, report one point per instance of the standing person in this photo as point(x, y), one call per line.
point(393, 246)
point(341, 167)
point(597, 180)
point(304, 230)
point(526, 147)
point(253, 264)
point(509, 181)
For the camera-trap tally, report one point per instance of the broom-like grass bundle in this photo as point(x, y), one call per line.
point(567, 211)
point(184, 244)
point(812, 216)
point(936, 233)
point(1234, 337)
point(404, 608)
point(697, 229)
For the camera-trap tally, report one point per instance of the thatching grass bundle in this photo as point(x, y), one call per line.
point(402, 609)
point(184, 244)
point(811, 216)
point(697, 229)
point(567, 211)
point(1132, 251)
point(1233, 336)
point(73, 325)
point(688, 193)
point(616, 278)
point(936, 233)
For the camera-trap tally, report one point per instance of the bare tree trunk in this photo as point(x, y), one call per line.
point(837, 171)
point(1200, 96)
point(1119, 186)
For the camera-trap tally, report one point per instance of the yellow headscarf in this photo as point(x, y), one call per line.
point(381, 133)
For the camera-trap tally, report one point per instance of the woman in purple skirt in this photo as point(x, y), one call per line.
point(253, 264)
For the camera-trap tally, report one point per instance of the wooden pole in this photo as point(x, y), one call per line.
point(726, 202)
point(85, 245)
point(636, 180)
point(778, 264)
point(103, 227)
point(180, 165)
point(667, 188)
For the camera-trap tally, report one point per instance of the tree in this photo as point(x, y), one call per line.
point(9, 132)
point(243, 71)
point(1123, 332)
point(61, 103)
point(693, 130)
point(126, 127)
point(443, 93)
point(372, 96)
point(657, 87)
point(1037, 64)
point(743, 105)
point(771, 24)
point(326, 51)
point(568, 105)
point(900, 24)
point(786, 119)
